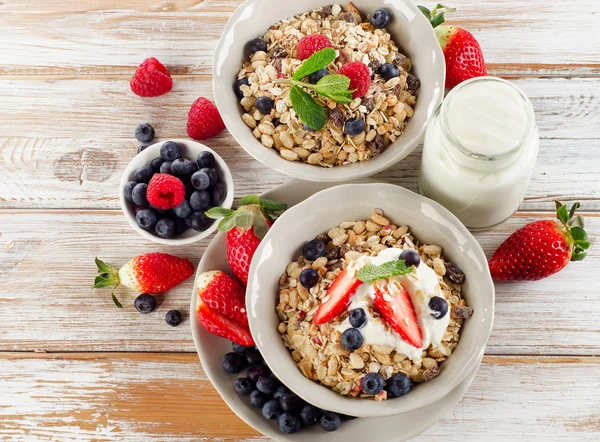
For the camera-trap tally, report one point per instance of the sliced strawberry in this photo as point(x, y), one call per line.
point(399, 313)
point(224, 294)
point(338, 298)
point(221, 325)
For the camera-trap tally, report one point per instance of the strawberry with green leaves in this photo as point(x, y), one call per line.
point(245, 228)
point(541, 248)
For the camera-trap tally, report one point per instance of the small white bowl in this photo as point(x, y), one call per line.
point(189, 149)
point(409, 28)
point(430, 223)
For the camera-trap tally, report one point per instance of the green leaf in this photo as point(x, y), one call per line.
point(573, 209)
point(437, 20)
point(273, 206)
point(316, 61)
point(227, 224)
point(578, 256)
point(249, 199)
point(343, 98)
point(426, 12)
point(309, 111)
point(563, 214)
point(578, 222)
point(102, 281)
point(103, 267)
point(372, 272)
point(578, 234)
point(334, 83)
point(583, 244)
point(116, 301)
point(218, 212)
point(243, 219)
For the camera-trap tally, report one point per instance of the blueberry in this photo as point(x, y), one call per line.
point(280, 391)
point(142, 147)
point(212, 174)
point(138, 194)
point(199, 221)
point(381, 18)
point(398, 385)
point(183, 210)
point(264, 104)
point(373, 383)
point(289, 424)
point(166, 167)
point(307, 128)
point(316, 76)
point(159, 211)
point(258, 399)
point(345, 417)
point(170, 151)
point(143, 174)
point(236, 88)
point(272, 409)
point(253, 356)
point(257, 371)
point(258, 44)
point(266, 385)
point(389, 71)
point(180, 226)
point(156, 163)
point(243, 386)
point(438, 306)
point(145, 303)
point(330, 421)
point(165, 228)
point(205, 159)
point(272, 376)
point(309, 415)
point(173, 318)
point(217, 194)
point(314, 249)
point(144, 133)
point(238, 348)
point(182, 166)
point(411, 258)
point(127, 189)
point(290, 403)
point(309, 278)
point(352, 339)
point(146, 219)
point(200, 200)
point(354, 126)
point(233, 363)
point(358, 318)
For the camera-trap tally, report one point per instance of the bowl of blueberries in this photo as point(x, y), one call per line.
point(167, 188)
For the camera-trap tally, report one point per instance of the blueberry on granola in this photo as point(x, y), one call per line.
point(264, 104)
point(258, 44)
point(389, 71)
point(438, 306)
point(237, 89)
point(398, 385)
point(314, 249)
point(373, 383)
point(358, 318)
point(411, 258)
point(354, 126)
point(352, 339)
point(316, 76)
point(381, 18)
point(309, 278)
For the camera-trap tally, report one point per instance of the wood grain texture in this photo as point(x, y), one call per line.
point(46, 278)
point(157, 397)
point(110, 36)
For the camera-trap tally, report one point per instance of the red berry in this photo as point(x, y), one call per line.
point(359, 75)
point(204, 120)
point(312, 43)
point(165, 191)
point(151, 79)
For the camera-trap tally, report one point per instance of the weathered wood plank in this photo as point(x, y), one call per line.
point(45, 282)
point(132, 397)
point(110, 36)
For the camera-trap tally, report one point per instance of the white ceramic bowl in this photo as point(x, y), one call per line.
point(430, 223)
point(189, 149)
point(409, 28)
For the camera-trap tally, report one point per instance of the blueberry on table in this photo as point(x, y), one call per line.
point(352, 339)
point(330, 421)
point(411, 258)
point(238, 91)
point(233, 363)
point(373, 383)
point(264, 104)
point(173, 318)
point(309, 278)
point(218, 193)
point(138, 195)
point(354, 126)
point(127, 189)
point(309, 415)
point(182, 167)
point(200, 180)
point(257, 44)
point(257, 371)
point(200, 200)
point(290, 403)
point(156, 163)
point(358, 318)
point(381, 18)
point(143, 174)
point(243, 386)
point(212, 174)
point(438, 306)
point(183, 210)
point(199, 221)
point(271, 410)
point(146, 219)
point(165, 228)
point(281, 390)
point(289, 424)
point(238, 348)
point(389, 71)
point(166, 167)
point(314, 249)
point(145, 303)
point(257, 398)
point(266, 385)
point(253, 356)
point(398, 385)
point(142, 147)
point(144, 133)
point(170, 151)
point(205, 159)
point(316, 76)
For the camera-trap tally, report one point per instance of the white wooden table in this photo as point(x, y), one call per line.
point(72, 367)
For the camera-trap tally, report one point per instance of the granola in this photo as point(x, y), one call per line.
point(385, 108)
point(317, 349)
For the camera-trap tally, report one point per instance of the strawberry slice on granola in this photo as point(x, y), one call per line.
point(337, 298)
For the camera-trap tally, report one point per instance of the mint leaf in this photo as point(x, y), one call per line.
point(309, 111)
point(371, 273)
point(343, 98)
point(333, 83)
point(316, 61)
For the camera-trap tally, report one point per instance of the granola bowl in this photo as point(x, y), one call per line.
point(393, 113)
point(358, 223)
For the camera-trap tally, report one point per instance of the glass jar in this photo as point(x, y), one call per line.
point(480, 149)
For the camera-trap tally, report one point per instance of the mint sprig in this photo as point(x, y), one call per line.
point(371, 272)
point(309, 111)
point(316, 61)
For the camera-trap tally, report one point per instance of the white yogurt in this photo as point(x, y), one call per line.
point(479, 152)
point(421, 285)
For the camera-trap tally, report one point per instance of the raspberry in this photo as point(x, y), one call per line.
point(165, 191)
point(311, 44)
point(359, 75)
point(204, 120)
point(151, 79)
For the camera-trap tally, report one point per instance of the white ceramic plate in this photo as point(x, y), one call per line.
point(211, 349)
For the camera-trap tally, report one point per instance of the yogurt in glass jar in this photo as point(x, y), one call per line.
point(479, 152)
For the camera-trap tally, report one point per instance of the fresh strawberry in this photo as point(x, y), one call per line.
point(149, 273)
point(165, 191)
point(224, 294)
point(541, 248)
point(151, 79)
point(310, 44)
point(204, 120)
point(220, 325)
point(338, 297)
point(398, 311)
point(245, 228)
point(359, 75)
point(464, 59)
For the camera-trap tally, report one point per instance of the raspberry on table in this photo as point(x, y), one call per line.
point(204, 120)
point(165, 191)
point(359, 75)
point(310, 44)
point(151, 79)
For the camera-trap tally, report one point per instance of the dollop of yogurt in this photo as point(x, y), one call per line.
point(421, 284)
